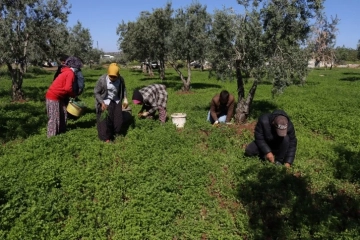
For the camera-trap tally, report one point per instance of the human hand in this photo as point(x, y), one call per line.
point(125, 103)
point(103, 107)
point(287, 165)
point(216, 123)
point(270, 156)
point(144, 114)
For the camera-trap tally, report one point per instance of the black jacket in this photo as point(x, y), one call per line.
point(265, 135)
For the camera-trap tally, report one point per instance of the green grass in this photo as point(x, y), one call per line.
point(157, 182)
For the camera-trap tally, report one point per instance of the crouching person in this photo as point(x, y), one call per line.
point(109, 92)
point(152, 98)
point(275, 139)
point(221, 108)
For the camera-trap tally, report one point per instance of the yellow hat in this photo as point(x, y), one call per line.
point(113, 70)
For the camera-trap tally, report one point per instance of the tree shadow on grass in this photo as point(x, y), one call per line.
point(21, 120)
point(5, 93)
point(168, 77)
point(204, 86)
point(260, 107)
point(149, 78)
point(347, 165)
point(265, 83)
point(91, 79)
point(281, 205)
point(35, 93)
point(351, 73)
point(350, 79)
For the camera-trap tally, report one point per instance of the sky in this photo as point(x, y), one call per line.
point(103, 17)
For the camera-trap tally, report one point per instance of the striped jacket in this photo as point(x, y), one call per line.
point(155, 96)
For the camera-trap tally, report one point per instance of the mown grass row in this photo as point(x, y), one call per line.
point(157, 182)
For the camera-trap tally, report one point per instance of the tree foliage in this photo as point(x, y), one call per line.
point(323, 41)
point(134, 38)
point(147, 38)
point(189, 38)
point(344, 54)
point(27, 25)
point(79, 43)
point(270, 43)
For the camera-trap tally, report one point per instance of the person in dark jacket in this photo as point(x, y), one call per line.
point(275, 139)
point(221, 108)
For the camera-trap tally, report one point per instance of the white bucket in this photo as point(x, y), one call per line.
point(179, 119)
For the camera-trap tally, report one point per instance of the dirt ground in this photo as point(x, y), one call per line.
point(240, 128)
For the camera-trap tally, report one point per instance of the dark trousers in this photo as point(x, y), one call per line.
point(109, 126)
point(278, 148)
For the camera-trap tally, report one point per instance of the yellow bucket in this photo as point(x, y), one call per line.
point(73, 109)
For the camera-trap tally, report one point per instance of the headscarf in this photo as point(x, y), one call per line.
point(73, 62)
point(137, 97)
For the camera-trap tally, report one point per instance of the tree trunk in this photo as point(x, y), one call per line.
point(162, 70)
point(186, 82)
point(243, 106)
point(240, 81)
point(186, 86)
point(144, 68)
point(150, 70)
point(17, 80)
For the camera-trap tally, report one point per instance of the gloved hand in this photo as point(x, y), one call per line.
point(125, 103)
point(216, 123)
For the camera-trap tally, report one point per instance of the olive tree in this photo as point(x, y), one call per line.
point(322, 42)
point(134, 40)
point(268, 42)
point(25, 23)
point(147, 38)
point(160, 25)
point(189, 38)
point(80, 44)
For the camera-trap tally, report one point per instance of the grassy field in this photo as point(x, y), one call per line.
point(157, 182)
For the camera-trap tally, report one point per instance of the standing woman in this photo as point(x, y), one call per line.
point(60, 90)
point(109, 92)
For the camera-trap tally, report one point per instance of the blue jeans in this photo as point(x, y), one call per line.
point(221, 118)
